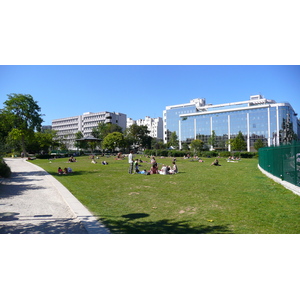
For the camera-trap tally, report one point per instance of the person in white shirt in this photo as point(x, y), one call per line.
point(164, 170)
point(130, 161)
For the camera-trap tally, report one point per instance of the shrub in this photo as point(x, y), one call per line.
point(43, 156)
point(176, 153)
point(156, 152)
point(209, 154)
point(248, 154)
point(224, 154)
point(236, 154)
point(4, 169)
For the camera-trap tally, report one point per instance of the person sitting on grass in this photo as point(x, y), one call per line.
point(154, 169)
point(153, 161)
point(215, 163)
point(144, 172)
point(164, 170)
point(72, 159)
point(60, 171)
point(136, 166)
point(174, 169)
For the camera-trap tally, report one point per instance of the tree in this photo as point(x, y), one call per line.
point(185, 146)
point(103, 129)
point(212, 139)
point(138, 135)
point(173, 140)
point(259, 144)
point(287, 134)
point(46, 139)
point(238, 143)
point(197, 145)
point(113, 140)
point(4, 132)
point(80, 144)
point(157, 144)
point(4, 126)
point(23, 115)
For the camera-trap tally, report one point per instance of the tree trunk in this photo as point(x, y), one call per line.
point(23, 146)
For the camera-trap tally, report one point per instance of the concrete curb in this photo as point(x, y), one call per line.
point(295, 189)
point(89, 221)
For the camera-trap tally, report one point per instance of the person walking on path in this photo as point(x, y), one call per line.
point(130, 161)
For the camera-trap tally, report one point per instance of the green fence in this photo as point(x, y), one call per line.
point(282, 162)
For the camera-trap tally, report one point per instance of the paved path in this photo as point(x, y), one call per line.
point(32, 201)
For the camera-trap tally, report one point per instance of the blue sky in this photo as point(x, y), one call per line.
point(144, 90)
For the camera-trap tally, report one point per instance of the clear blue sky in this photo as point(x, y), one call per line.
point(144, 90)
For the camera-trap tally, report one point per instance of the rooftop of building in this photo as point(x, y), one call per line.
point(201, 106)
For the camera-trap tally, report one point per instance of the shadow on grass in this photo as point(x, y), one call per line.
point(135, 216)
point(74, 173)
point(131, 226)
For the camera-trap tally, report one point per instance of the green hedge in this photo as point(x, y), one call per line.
point(224, 154)
point(165, 153)
point(248, 154)
point(4, 169)
point(209, 154)
point(178, 153)
point(43, 156)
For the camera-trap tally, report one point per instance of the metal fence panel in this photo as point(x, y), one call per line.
point(282, 161)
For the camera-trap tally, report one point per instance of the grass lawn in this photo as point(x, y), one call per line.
point(232, 198)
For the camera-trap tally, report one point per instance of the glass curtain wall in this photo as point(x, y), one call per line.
point(273, 125)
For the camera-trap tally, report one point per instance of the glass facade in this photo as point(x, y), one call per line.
point(274, 123)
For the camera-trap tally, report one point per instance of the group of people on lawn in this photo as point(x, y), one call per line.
point(64, 171)
point(134, 166)
point(165, 170)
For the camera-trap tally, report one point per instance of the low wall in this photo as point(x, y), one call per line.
point(295, 189)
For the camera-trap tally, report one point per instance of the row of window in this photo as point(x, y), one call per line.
point(261, 122)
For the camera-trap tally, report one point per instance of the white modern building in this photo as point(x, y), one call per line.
point(154, 125)
point(68, 127)
point(257, 118)
point(130, 122)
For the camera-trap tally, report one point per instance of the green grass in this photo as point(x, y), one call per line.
point(234, 198)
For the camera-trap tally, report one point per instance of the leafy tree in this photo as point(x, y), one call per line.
point(103, 129)
point(197, 145)
point(173, 140)
point(4, 132)
point(23, 116)
point(259, 144)
point(185, 146)
point(157, 144)
point(4, 126)
point(287, 134)
point(80, 144)
point(46, 139)
point(113, 140)
point(212, 139)
point(138, 135)
point(63, 142)
point(238, 143)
